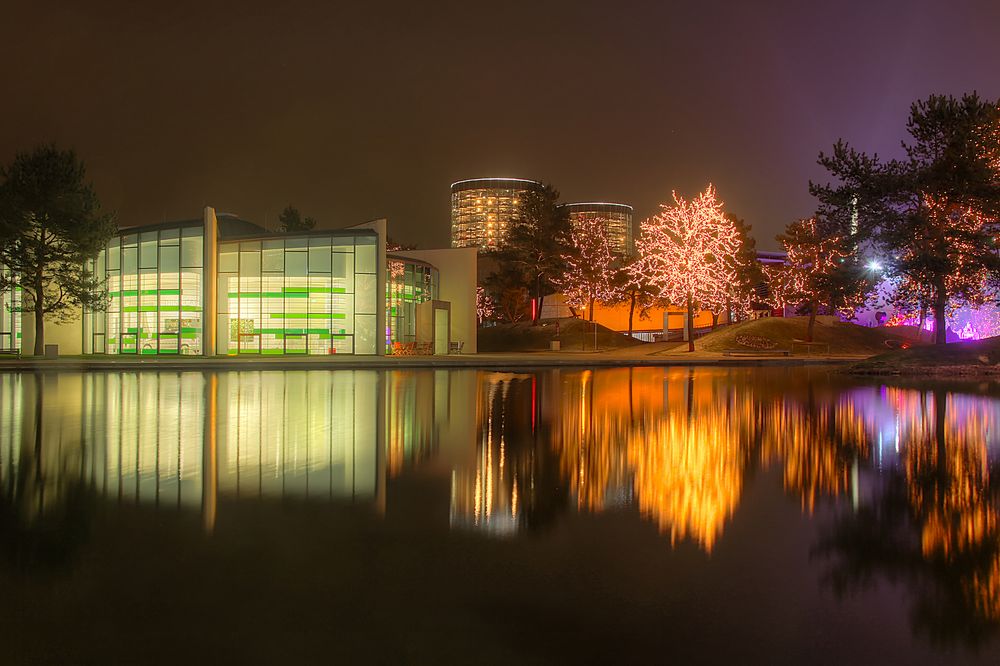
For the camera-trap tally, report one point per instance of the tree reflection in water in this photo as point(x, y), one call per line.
point(680, 445)
point(932, 522)
point(45, 507)
point(907, 475)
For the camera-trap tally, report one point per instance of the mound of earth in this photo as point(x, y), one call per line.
point(780, 332)
point(976, 358)
point(573, 335)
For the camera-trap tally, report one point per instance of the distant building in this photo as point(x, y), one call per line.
point(482, 209)
point(617, 217)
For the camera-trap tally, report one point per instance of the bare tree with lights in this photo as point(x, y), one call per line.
point(748, 270)
point(590, 266)
point(685, 253)
point(813, 255)
point(486, 307)
point(632, 287)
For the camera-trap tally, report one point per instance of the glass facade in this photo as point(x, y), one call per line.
point(313, 294)
point(617, 218)
point(10, 315)
point(154, 284)
point(409, 283)
point(483, 208)
point(298, 295)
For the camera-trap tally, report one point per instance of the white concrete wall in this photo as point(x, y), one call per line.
point(68, 335)
point(457, 271)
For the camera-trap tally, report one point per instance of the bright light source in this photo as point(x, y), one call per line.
point(874, 265)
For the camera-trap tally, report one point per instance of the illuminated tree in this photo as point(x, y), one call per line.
point(590, 266)
point(485, 305)
point(779, 286)
point(747, 269)
point(814, 254)
point(632, 286)
point(685, 253)
point(932, 218)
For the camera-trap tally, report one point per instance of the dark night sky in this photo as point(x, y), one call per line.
point(367, 109)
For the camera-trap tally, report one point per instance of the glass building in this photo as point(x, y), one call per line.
point(617, 218)
point(409, 283)
point(169, 285)
point(483, 208)
point(10, 316)
point(154, 280)
point(312, 294)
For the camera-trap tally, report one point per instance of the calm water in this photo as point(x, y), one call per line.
point(610, 516)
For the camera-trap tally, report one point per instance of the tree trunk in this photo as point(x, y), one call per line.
point(690, 323)
point(812, 321)
point(39, 318)
point(940, 330)
point(920, 322)
point(715, 320)
point(631, 311)
point(591, 308)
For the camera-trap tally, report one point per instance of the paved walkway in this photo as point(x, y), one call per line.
point(655, 354)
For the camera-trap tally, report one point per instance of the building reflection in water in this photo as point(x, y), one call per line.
point(912, 471)
point(184, 439)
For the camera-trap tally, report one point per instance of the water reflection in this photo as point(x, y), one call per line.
point(904, 476)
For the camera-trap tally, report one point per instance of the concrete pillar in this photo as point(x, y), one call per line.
point(209, 283)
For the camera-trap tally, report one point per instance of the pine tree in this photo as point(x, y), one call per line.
point(932, 218)
point(51, 225)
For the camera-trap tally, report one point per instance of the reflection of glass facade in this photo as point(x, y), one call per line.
point(311, 294)
point(309, 434)
point(617, 217)
point(154, 283)
point(409, 283)
point(483, 208)
point(10, 315)
point(179, 440)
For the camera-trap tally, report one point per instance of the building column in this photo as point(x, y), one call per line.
point(381, 266)
point(209, 282)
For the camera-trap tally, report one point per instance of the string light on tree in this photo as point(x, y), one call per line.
point(683, 253)
point(590, 266)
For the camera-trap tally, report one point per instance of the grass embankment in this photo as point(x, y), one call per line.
point(843, 338)
point(574, 335)
point(978, 358)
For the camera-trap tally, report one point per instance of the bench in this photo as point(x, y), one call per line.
point(756, 352)
point(456, 347)
point(809, 345)
point(16, 353)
